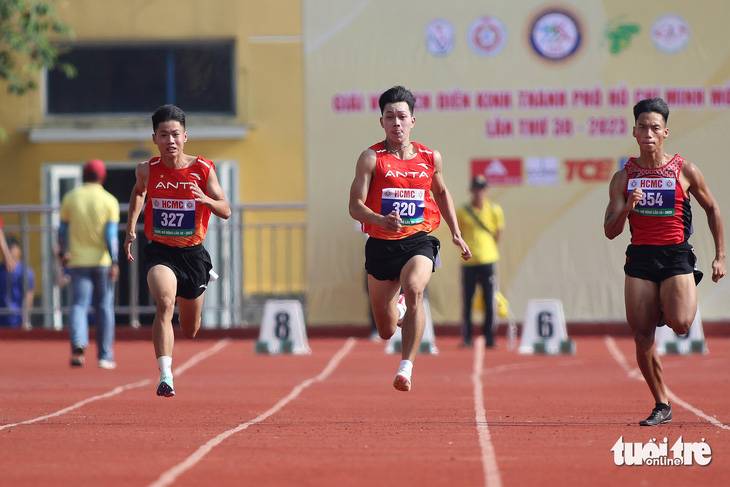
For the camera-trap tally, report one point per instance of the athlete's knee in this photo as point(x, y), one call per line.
point(165, 304)
point(680, 327)
point(385, 334)
point(189, 330)
point(644, 341)
point(414, 295)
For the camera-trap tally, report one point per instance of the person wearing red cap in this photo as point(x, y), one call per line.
point(88, 247)
point(182, 192)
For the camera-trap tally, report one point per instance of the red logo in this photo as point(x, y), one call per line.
point(499, 171)
point(590, 170)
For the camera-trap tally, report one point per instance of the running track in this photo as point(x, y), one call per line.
point(332, 418)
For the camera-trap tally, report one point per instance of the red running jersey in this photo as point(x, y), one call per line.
point(405, 187)
point(663, 216)
point(171, 215)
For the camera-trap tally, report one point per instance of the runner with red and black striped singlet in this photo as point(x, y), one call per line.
point(663, 216)
point(182, 192)
point(652, 192)
point(399, 196)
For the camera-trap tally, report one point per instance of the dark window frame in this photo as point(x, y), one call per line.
point(198, 76)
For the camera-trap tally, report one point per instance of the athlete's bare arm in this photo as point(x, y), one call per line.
point(619, 206)
point(443, 200)
point(136, 202)
point(697, 186)
point(213, 197)
point(359, 193)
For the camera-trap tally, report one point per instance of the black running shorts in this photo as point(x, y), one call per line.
point(384, 259)
point(191, 266)
point(659, 262)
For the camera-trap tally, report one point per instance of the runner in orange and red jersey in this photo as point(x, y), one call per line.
point(653, 193)
point(182, 192)
point(399, 196)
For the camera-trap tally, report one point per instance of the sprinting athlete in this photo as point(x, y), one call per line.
point(182, 191)
point(391, 195)
point(653, 193)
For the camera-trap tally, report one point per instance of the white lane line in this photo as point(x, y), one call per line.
point(634, 374)
point(168, 477)
point(489, 459)
point(194, 360)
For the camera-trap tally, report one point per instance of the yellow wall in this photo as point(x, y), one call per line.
point(268, 80)
point(268, 84)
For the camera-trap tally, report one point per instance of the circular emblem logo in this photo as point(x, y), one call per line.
point(487, 36)
point(670, 33)
point(439, 37)
point(555, 35)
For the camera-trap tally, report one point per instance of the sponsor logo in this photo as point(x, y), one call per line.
point(487, 36)
point(670, 33)
point(555, 34)
point(590, 170)
point(619, 35)
point(541, 171)
point(175, 185)
point(439, 37)
point(499, 171)
point(660, 453)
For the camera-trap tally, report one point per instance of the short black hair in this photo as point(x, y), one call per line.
point(167, 113)
point(652, 105)
point(395, 95)
point(12, 241)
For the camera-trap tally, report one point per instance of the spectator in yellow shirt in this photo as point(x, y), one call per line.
point(481, 224)
point(89, 246)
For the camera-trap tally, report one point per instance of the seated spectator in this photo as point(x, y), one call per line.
point(11, 287)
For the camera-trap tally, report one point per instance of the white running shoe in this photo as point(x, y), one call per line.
point(402, 381)
point(401, 305)
point(107, 364)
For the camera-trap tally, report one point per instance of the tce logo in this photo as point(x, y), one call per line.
point(590, 170)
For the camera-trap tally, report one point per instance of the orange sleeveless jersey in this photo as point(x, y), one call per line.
point(171, 215)
point(405, 187)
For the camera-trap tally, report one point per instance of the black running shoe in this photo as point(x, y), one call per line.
point(77, 356)
point(661, 414)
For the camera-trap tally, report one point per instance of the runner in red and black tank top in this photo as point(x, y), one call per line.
point(663, 216)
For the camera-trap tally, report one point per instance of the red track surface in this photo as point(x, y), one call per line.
point(550, 421)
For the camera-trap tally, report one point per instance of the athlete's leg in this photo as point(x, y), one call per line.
point(678, 296)
point(488, 281)
point(189, 313)
point(642, 313)
point(468, 289)
point(414, 278)
point(383, 299)
point(163, 286)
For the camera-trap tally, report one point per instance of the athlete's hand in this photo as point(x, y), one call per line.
point(459, 242)
point(634, 197)
point(131, 237)
point(718, 269)
point(392, 222)
point(200, 196)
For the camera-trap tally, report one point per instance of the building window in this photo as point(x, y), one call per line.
point(138, 78)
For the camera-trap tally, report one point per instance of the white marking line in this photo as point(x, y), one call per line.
point(489, 459)
point(195, 359)
point(168, 477)
point(619, 357)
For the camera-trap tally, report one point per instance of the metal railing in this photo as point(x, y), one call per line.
point(258, 254)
